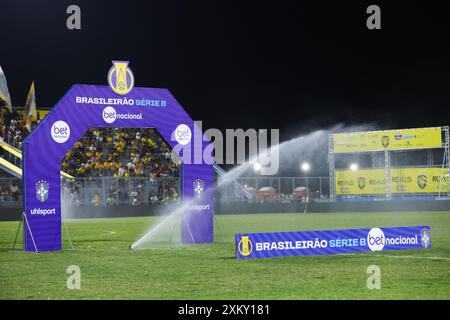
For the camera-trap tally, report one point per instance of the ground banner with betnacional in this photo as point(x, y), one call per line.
point(285, 244)
point(401, 139)
point(403, 181)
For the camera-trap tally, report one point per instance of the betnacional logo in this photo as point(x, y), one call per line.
point(110, 115)
point(245, 246)
point(199, 186)
point(375, 239)
point(425, 237)
point(183, 134)
point(60, 131)
point(42, 190)
point(120, 78)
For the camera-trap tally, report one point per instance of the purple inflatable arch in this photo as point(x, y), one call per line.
point(87, 106)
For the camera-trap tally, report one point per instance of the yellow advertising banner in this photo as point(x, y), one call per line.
point(403, 181)
point(41, 113)
point(402, 139)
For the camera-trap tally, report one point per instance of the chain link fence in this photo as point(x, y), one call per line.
point(133, 191)
point(110, 191)
point(279, 189)
point(10, 192)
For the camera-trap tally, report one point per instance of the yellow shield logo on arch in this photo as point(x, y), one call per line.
point(121, 78)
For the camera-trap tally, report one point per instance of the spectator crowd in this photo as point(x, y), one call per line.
point(12, 126)
point(119, 152)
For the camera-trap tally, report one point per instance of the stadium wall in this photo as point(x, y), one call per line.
point(357, 206)
point(84, 212)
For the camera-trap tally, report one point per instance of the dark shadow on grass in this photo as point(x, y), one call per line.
point(227, 258)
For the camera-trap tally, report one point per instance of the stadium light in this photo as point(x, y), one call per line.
point(257, 166)
point(353, 166)
point(305, 167)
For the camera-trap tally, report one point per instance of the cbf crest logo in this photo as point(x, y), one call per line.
point(422, 181)
point(42, 189)
point(120, 78)
point(245, 246)
point(199, 186)
point(361, 182)
point(385, 141)
point(425, 237)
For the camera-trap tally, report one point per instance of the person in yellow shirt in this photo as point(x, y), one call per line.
point(81, 170)
point(96, 199)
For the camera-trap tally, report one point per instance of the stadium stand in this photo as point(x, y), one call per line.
point(100, 152)
point(120, 153)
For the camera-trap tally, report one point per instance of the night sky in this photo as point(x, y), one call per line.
point(291, 65)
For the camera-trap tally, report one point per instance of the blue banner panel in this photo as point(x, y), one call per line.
point(286, 244)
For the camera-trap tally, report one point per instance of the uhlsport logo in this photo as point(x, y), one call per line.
point(43, 212)
point(199, 186)
point(120, 78)
point(110, 115)
point(183, 134)
point(42, 190)
point(425, 237)
point(375, 239)
point(60, 131)
point(245, 246)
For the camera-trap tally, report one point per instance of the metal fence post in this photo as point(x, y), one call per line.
point(293, 184)
point(9, 191)
point(147, 192)
point(320, 187)
point(163, 188)
point(307, 185)
point(87, 200)
point(103, 191)
point(117, 190)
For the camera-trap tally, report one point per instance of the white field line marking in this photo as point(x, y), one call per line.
point(399, 257)
point(168, 247)
point(105, 231)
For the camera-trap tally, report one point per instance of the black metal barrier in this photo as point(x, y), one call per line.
point(14, 213)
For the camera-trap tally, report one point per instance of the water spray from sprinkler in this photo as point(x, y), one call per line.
point(309, 145)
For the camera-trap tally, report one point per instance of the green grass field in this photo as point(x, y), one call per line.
point(109, 270)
